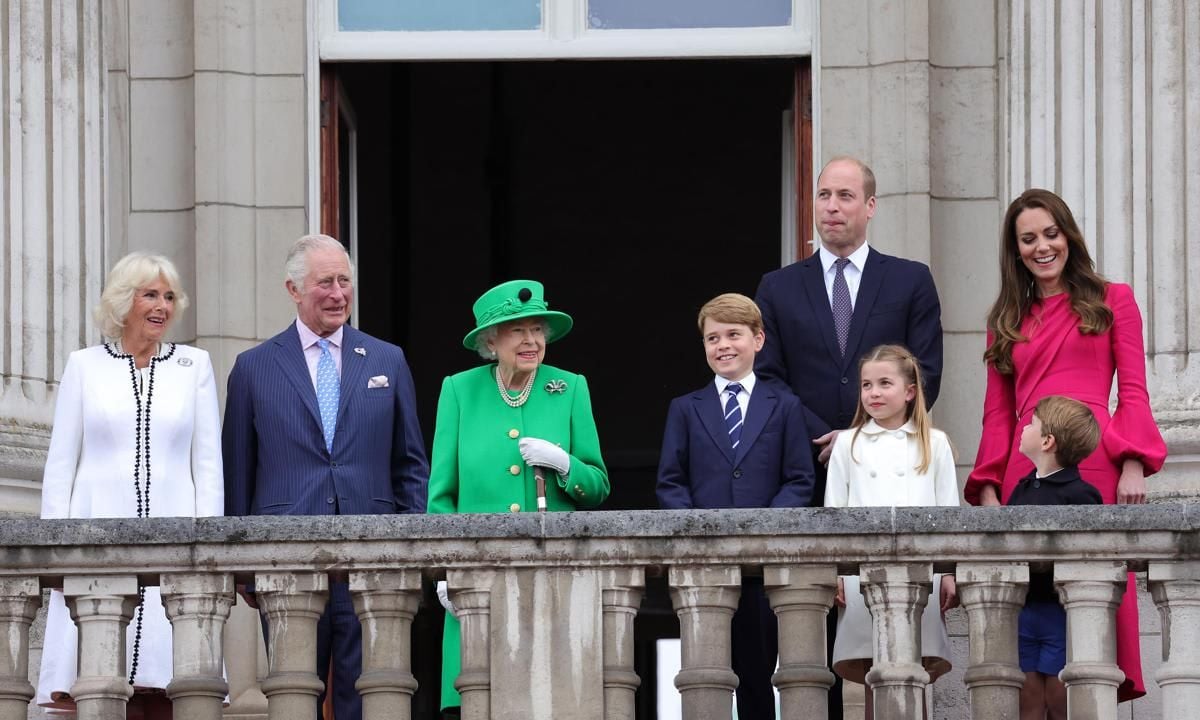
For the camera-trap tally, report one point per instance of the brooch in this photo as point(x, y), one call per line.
point(556, 386)
point(186, 362)
point(361, 351)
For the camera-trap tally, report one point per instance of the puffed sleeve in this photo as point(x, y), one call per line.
point(999, 424)
point(945, 478)
point(1132, 433)
point(587, 482)
point(837, 483)
point(66, 442)
point(207, 474)
point(443, 468)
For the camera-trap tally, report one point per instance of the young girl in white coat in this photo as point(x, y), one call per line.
point(891, 456)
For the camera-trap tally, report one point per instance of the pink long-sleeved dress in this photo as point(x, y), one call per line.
point(1059, 360)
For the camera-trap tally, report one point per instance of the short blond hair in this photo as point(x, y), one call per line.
point(732, 308)
point(1073, 425)
point(131, 273)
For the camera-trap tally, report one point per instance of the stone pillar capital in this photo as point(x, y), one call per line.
point(293, 603)
point(801, 596)
point(1175, 587)
point(705, 598)
point(19, 600)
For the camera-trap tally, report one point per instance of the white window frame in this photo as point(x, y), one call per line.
point(564, 35)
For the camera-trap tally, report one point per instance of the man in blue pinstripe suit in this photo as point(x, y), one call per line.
point(321, 420)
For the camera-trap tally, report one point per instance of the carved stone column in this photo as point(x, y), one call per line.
point(1091, 592)
point(386, 602)
point(801, 598)
point(471, 594)
point(992, 595)
point(101, 608)
point(19, 601)
point(293, 602)
point(1175, 587)
point(197, 605)
point(705, 599)
point(896, 595)
point(622, 596)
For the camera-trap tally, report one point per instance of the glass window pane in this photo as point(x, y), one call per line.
point(652, 14)
point(427, 15)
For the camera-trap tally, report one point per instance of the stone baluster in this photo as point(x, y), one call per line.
point(1090, 592)
point(19, 601)
point(896, 595)
point(197, 605)
point(622, 595)
point(705, 599)
point(293, 603)
point(801, 598)
point(386, 601)
point(471, 594)
point(993, 594)
point(1175, 587)
point(101, 607)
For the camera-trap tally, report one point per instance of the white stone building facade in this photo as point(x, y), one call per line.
point(191, 127)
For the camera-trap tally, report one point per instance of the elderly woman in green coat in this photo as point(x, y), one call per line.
point(500, 424)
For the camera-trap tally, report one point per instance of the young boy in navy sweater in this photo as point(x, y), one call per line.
point(1061, 433)
point(738, 442)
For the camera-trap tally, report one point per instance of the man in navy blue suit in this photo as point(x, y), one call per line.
point(823, 313)
point(738, 443)
point(321, 420)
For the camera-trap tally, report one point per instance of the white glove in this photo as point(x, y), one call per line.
point(444, 598)
point(545, 454)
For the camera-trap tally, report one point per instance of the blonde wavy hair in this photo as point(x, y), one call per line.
point(131, 273)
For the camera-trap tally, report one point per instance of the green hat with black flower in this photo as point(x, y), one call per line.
point(516, 300)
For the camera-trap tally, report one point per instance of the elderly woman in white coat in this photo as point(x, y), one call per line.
point(136, 434)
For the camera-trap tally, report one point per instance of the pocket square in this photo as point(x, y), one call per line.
point(379, 381)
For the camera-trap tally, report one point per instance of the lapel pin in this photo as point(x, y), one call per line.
point(361, 351)
point(186, 362)
point(556, 386)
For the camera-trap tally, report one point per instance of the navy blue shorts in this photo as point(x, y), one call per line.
point(1042, 637)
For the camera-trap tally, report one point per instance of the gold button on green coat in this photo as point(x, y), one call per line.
point(515, 469)
point(513, 433)
point(514, 508)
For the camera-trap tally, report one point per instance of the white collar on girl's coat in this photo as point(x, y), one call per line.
point(874, 428)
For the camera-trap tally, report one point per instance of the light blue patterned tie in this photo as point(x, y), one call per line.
point(328, 392)
point(733, 414)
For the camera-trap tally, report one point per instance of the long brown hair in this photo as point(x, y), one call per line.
point(1018, 291)
point(910, 370)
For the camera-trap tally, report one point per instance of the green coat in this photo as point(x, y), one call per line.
point(477, 467)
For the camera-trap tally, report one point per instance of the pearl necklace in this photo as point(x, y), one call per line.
point(509, 400)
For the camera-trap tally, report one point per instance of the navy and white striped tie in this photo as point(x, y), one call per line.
point(733, 414)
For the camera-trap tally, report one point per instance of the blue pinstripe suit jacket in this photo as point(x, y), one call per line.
point(274, 452)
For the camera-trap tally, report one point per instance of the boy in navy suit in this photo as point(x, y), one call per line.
point(1061, 433)
point(738, 442)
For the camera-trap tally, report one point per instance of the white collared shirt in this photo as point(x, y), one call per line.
point(312, 351)
point(743, 397)
point(853, 271)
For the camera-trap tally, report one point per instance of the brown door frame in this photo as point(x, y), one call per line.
point(802, 118)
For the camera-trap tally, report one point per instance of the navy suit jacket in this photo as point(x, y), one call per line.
point(274, 450)
point(897, 303)
point(772, 466)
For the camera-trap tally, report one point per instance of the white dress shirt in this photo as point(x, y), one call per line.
point(743, 397)
point(853, 271)
point(312, 351)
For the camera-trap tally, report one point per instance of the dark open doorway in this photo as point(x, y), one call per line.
point(635, 191)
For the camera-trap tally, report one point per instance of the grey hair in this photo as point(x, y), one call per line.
point(490, 334)
point(296, 266)
point(131, 273)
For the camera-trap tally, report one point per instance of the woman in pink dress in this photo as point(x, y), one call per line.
point(1059, 328)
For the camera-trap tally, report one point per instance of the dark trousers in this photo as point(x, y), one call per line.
point(835, 692)
point(339, 635)
point(755, 649)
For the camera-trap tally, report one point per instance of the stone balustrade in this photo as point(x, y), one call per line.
point(558, 592)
